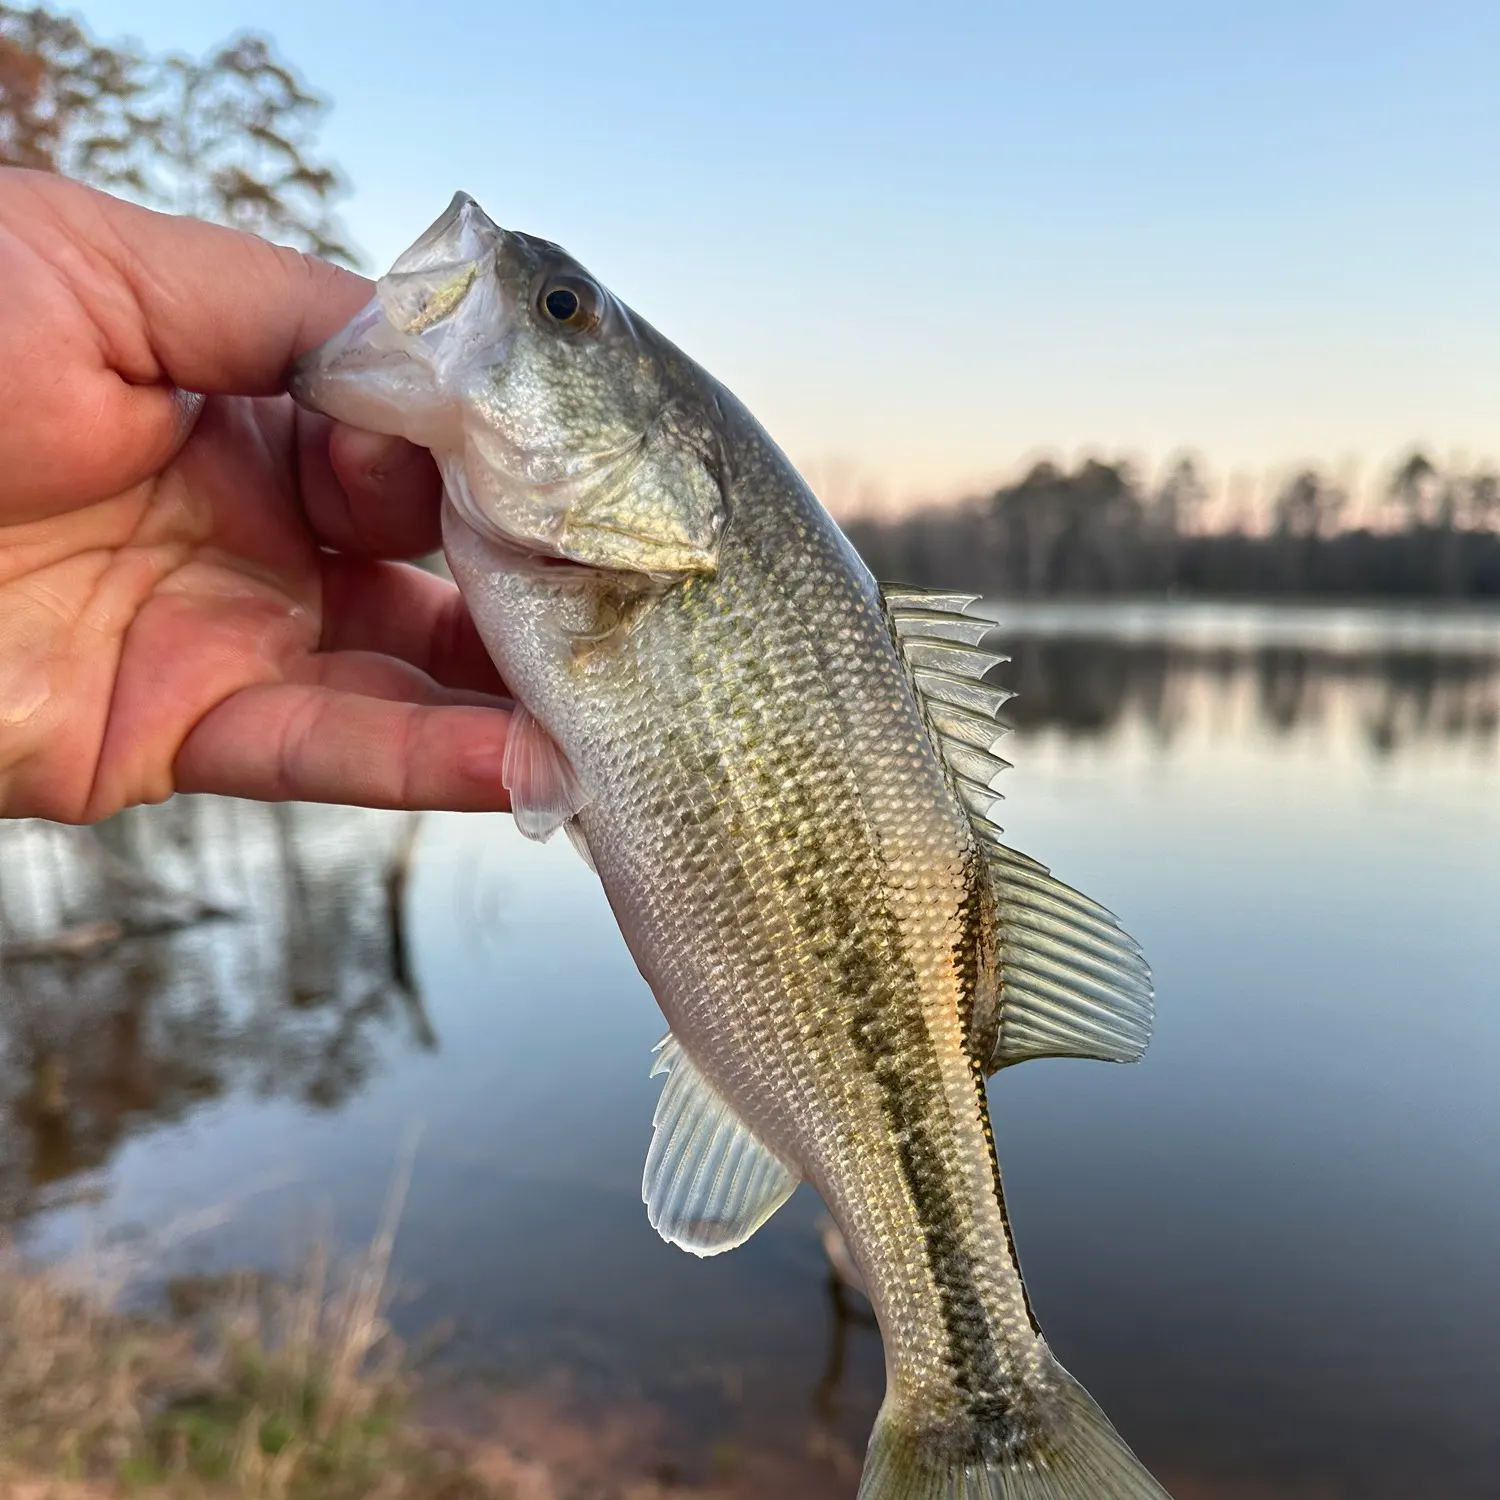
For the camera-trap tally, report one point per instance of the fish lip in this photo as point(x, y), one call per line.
point(462, 232)
point(345, 353)
point(460, 206)
point(374, 375)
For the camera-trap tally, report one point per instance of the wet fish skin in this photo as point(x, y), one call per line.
point(762, 796)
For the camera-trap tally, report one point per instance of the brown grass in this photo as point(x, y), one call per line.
point(77, 1382)
point(256, 1388)
point(276, 1389)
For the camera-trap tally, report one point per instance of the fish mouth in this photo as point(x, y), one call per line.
point(366, 375)
point(396, 367)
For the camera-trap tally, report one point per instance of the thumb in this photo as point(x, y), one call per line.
point(206, 308)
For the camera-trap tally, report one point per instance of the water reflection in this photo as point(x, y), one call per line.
point(1385, 700)
point(849, 1311)
point(178, 954)
point(1269, 1249)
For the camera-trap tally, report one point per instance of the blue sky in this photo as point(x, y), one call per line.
point(926, 242)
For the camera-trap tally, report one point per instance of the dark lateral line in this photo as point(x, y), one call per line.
point(882, 1028)
point(968, 957)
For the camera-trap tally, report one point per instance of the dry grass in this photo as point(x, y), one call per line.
point(253, 1388)
point(277, 1389)
point(78, 1383)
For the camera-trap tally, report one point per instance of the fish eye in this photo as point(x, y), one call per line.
point(570, 302)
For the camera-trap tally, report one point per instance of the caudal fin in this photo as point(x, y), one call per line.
point(1081, 1457)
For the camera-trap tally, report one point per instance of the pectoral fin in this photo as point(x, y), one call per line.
point(1072, 982)
point(710, 1182)
point(544, 789)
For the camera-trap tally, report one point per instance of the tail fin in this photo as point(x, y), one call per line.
point(1080, 1457)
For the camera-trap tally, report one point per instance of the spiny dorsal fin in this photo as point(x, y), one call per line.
point(1072, 983)
point(939, 642)
point(710, 1181)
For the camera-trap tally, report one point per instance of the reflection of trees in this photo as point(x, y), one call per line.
point(1394, 698)
point(1285, 687)
point(849, 1309)
point(264, 951)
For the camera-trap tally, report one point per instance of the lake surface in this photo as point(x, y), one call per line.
point(1271, 1249)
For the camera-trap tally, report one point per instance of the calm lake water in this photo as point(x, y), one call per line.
point(1271, 1249)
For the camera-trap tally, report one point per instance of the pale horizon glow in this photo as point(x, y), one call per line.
point(927, 243)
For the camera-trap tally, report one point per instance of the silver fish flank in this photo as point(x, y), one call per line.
point(783, 776)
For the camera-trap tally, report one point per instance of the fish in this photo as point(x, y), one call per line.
point(784, 777)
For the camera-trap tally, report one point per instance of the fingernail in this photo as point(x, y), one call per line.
point(189, 406)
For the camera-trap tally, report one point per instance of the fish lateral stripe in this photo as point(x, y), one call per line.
point(892, 1040)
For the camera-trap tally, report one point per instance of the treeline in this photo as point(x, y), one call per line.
point(1100, 530)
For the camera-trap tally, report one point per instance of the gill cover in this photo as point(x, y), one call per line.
point(586, 438)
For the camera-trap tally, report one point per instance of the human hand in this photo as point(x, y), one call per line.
point(196, 592)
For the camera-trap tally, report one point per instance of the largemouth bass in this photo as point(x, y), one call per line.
point(783, 777)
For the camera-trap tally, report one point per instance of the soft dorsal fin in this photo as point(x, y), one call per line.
point(710, 1181)
point(1072, 982)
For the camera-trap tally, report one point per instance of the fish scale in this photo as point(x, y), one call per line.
point(833, 970)
point(782, 777)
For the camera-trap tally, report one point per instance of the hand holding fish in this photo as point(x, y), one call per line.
point(197, 591)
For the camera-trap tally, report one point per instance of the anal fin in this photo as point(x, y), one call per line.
point(710, 1181)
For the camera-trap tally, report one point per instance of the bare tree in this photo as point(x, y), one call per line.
point(230, 137)
point(1307, 506)
point(1421, 492)
point(1179, 498)
point(66, 102)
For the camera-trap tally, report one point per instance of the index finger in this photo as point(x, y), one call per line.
point(208, 309)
